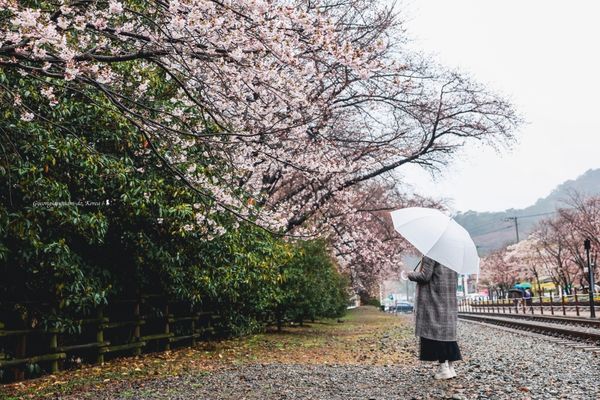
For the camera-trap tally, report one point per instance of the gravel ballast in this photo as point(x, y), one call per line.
point(497, 365)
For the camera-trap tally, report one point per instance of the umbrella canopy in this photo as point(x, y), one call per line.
point(439, 237)
point(523, 285)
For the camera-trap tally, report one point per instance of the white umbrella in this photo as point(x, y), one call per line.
point(439, 237)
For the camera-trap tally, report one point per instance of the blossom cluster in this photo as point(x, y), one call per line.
point(553, 251)
point(274, 110)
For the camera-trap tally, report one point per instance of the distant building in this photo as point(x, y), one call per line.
point(471, 283)
point(354, 300)
point(393, 291)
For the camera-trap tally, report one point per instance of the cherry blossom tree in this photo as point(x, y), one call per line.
point(553, 252)
point(498, 274)
point(526, 259)
point(292, 103)
point(554, 249)
point(584, 215)
point(365, 242)
point(290, 114)
point(579, 222)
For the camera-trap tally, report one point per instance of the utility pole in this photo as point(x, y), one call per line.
point(515, 219)
point(587, 244)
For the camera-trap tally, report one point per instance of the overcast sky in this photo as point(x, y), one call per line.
point(544, 55)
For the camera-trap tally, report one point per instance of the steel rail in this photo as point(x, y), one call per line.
point(589, 333)
point(556, 319)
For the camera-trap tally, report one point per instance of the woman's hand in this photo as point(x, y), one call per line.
point(403, 275)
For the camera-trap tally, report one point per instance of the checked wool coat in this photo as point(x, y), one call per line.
point(436, 307)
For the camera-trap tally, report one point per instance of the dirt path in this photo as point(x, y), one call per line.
point(365, 336)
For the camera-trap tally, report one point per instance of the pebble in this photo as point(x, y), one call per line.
point(497, 365)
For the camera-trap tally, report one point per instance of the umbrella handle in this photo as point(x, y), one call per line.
point(418, 265)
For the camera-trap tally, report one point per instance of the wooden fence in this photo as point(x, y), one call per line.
point(124, 327)
point(573, 305)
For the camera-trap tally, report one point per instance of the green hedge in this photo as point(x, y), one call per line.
point(89, 214)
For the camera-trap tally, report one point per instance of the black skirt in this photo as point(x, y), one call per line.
point(434, 350)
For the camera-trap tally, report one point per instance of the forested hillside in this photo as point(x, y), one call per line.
point(492, 230)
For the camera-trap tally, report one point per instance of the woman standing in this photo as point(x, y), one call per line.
point(436, 313)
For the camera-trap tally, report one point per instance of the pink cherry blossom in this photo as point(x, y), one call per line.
point(298, 106)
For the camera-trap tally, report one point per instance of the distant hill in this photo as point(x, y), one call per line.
point(492, 230)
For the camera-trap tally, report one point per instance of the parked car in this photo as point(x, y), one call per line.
point(515, 293)
point(403, 307)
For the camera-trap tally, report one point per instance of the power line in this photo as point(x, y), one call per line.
point(537, 215)
point(489, 223)
point(496, 230)
point(515, 219)
point(477, 230)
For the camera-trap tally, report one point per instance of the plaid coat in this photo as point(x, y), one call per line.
point(436, 307)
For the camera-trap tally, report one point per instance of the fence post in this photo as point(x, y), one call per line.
point(100, 335)
point(551, 304)
point(137, 327)
point(576, 302)
point(167, 326)
point(194, 315)
point(522, 305)
point(53, 346)
point(531, 307)
point(541, 303)
point(562, 300)
point(20, 351)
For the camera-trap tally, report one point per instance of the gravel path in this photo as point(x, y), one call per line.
point(496, 365)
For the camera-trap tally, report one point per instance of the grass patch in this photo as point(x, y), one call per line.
point(365, 336)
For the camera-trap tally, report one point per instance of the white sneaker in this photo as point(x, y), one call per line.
point(443, 372)
point(451, 368)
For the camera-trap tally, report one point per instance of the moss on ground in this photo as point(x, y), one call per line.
point(364, 336)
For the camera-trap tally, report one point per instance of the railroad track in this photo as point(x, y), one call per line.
point(552, 319)
point(574, 332)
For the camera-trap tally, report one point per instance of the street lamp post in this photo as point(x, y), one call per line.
point(588, 245)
